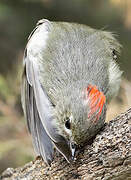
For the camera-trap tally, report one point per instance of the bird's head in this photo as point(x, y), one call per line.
point(80, 115)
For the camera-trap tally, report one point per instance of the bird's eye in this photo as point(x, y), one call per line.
point(67, 123)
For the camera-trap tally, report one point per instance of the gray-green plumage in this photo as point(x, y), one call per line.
point(76, 53)
point(61, 61)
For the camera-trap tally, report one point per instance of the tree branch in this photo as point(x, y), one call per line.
point(107, 158)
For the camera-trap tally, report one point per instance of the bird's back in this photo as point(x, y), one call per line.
point(75, 56)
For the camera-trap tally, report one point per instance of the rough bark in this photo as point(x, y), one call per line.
point(107, 158)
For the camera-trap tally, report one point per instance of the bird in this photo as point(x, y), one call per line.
point(70, 74)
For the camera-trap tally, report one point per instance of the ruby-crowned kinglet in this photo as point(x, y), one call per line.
point(70, 74)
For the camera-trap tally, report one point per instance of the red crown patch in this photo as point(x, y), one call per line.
point(97, 100)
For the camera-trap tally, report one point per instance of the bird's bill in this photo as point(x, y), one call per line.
point(73, 149)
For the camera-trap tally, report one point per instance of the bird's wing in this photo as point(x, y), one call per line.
point(114, 72)
point(36, 104)
point(41, 141)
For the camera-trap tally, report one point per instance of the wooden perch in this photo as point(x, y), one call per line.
point(107, 158)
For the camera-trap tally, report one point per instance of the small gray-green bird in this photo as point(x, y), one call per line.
point(70, 74)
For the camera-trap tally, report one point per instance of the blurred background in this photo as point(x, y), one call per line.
point(17, 19)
